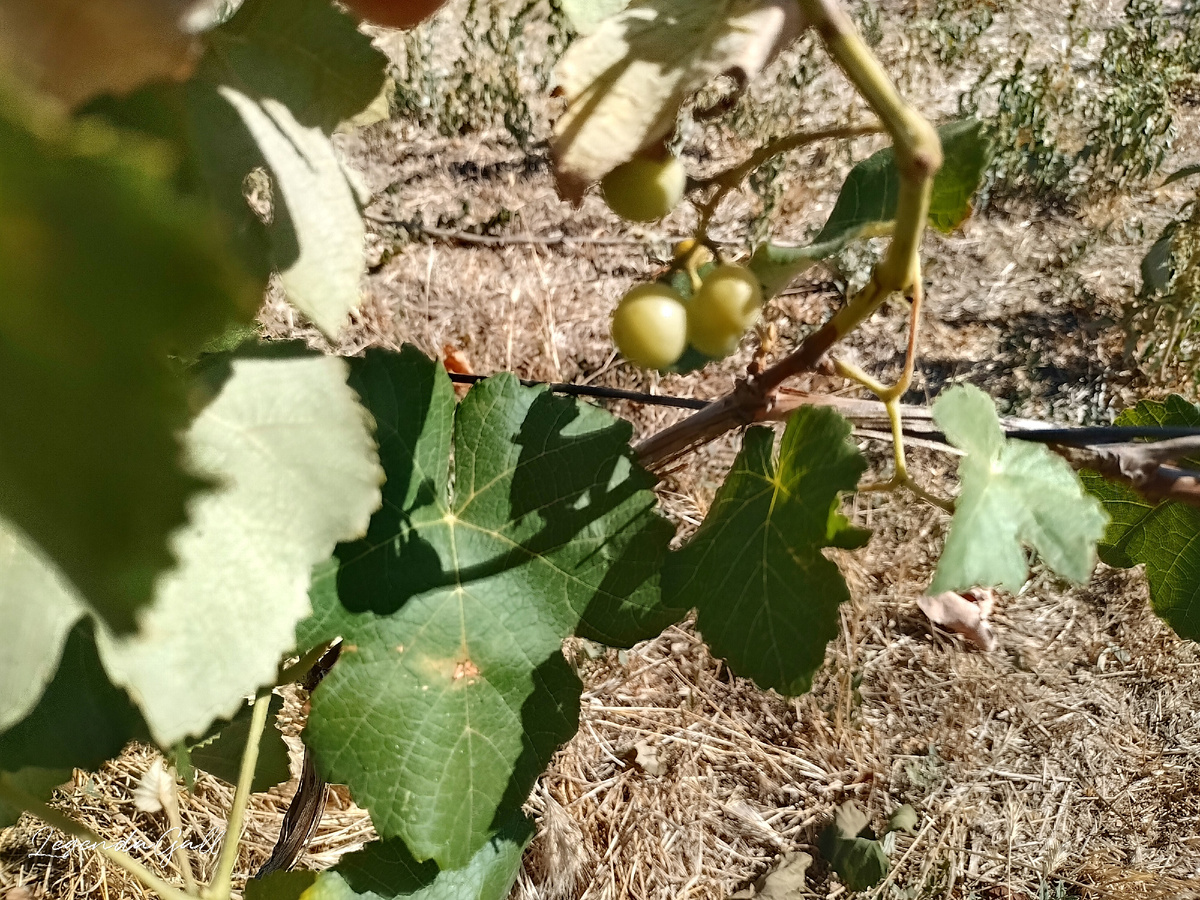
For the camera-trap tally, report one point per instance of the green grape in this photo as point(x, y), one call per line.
point(723, 309)
point(649, 326)
point(643, 189)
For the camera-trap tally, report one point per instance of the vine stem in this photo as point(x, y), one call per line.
point(729, 179)
point(918, 158)
point(19, 798)
point(222, 881)
point(183, 859)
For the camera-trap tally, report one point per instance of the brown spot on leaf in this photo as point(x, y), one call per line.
point(465, 669)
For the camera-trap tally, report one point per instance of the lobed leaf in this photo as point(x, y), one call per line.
point(104, 273)
point(1161, 536)
point(276, 80)
point(386, 870)
point(1014, 493)
point(867, 201)
point(221, 754)
point(624, 83)
point(451, 692)
point(766, 597)
point(38, 608)
point(292, 450)
point(81, 719)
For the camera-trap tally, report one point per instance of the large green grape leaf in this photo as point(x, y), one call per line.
point(1014, 493)
point(81, 719)
point(291, 449)
point(1160, 535)
point(867, 202)
point(624, 83)
point(451, 692)
point(766, 597)
point(104, 272)
point(386, 870)
point(276, 79)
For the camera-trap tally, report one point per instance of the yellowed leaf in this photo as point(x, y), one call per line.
point(625, 82)
point(75, 50)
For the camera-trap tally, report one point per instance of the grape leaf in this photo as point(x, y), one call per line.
point(624, 83)
point(293, 70)
point(38, 608)
point(1013, 493)
point(766, 597)
point(221, 754)
point(75, 50)
point(81, 719)
point(104, 271)
point(1160, 535)
point(276, 80)
point(451, 691)
point(867, 203)
point(292, 451)
point(386, 870)
point(852, 850)
point(281, 886)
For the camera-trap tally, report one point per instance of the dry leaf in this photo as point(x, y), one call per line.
point(644, 755)
point(152, 791)
point(966, 614)
point(625, 82)
point(784, 881)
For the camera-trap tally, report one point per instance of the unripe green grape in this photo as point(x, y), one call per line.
point(644, 189)
point(723, 309)
point(649, 326)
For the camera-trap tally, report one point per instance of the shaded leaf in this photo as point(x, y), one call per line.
point(291, 448)
point(872, 189)
point(903, 819)
point(104, 272)
point(625, 82)
point(76, 50)
point(386, 870)
point(766, 596)
point(38, 608)
point(281, 886)
point(866, 204)
point(851, 849)
point(81, 720)
point(786, 880)
point(1162, 536)
point(1158, 265)
point(1014, 493)
point(38, 783)
point(1180, 174)
point(455, 605)
point(276, 80)
point(221, 754)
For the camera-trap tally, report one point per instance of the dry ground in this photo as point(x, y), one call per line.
point(1064, 763)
